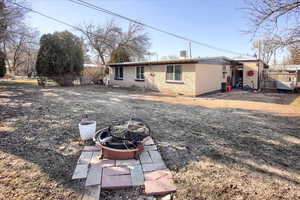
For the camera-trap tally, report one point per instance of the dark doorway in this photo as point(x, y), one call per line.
point(237, 75)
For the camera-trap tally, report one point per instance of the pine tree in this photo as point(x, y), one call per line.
point(60, 57)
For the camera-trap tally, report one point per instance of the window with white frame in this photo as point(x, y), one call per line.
point(139, 74)
point(118, 73)
point(174, 73)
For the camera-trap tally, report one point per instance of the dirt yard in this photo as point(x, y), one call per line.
point(237, 145)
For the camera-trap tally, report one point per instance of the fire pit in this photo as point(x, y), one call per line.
point(123, 141)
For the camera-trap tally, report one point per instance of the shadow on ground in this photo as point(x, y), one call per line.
point(215, 153)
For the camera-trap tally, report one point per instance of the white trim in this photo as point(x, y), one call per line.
point(173, 80)
point(139, 79)
point(115, 71)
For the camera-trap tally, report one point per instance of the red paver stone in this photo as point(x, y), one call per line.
point(90, 148)
point(161, 187)
point(159, 182)
point(116, 182)
point(151, 176)
point(115, 171)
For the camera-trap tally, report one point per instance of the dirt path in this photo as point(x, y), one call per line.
point(218, 147)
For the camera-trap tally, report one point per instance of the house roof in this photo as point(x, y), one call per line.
point(247, 59)
point(243, 60)
point(209, 60)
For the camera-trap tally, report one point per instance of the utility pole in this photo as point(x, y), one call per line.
point(190, 45)
point(259, 49)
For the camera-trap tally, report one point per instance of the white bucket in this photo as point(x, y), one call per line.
point(87, 131)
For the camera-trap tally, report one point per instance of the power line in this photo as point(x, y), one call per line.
point(92, 6)
point(47, 16)
point(128, 19)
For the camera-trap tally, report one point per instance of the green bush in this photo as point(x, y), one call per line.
point(2, 65)
point(60, 57)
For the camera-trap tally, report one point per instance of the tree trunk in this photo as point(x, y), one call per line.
point(102, 59)
point(65, 80)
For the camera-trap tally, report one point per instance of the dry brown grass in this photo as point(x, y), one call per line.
point(226, 150)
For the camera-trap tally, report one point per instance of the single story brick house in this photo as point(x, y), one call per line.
point(190, 77)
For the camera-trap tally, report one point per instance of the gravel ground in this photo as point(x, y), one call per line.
point(234, 146)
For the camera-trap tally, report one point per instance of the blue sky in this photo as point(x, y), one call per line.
point(219, 23)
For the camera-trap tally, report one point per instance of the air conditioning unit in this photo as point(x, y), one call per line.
point(183, 54)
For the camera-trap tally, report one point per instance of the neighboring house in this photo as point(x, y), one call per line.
point(191, 77)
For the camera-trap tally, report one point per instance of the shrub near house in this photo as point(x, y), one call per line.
point(60, 57)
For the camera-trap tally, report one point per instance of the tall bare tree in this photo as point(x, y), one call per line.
point(102, 39)
point(135, 40)
point(21, 52)
point(11, 19)
point(105, 39)
point(266, 48)
point(276, 18)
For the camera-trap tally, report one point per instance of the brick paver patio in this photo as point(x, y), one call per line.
point(149, 171)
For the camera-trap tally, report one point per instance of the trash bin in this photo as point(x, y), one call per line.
point(228, 88)
point(223, 87)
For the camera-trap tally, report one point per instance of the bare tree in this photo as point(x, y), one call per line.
point(22, 51)
point(266, 48)
point(15, 38)
point(105, 39)
point(11, 19)
point(276, 18)
point(135, 41)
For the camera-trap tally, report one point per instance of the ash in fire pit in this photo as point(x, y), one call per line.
point(123, 141)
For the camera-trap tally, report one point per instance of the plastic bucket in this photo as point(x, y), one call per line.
point(87, 131)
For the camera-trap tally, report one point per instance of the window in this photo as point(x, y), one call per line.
point(139, 74)
point(174, 73)
point(119, 73)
